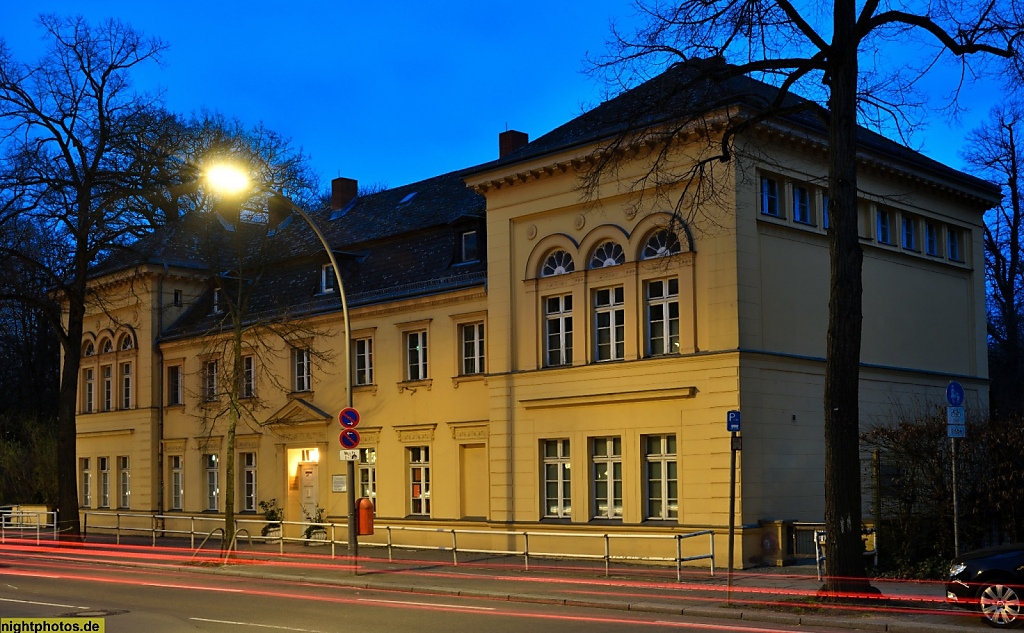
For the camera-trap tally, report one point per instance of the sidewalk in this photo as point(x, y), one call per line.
point(770, 595)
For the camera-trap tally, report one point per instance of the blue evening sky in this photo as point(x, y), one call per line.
point(390, 92)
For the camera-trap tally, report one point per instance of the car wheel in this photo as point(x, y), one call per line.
point(1000, 605)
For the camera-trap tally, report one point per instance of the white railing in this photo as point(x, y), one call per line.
point(519, 540)
point(21, 522)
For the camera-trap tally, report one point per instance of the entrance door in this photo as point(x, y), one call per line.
point(308, 488)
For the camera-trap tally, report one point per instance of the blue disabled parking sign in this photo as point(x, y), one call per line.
point(954, 394)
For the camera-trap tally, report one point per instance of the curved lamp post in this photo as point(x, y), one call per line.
point(231, 180)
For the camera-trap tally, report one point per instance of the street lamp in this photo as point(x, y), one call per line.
point(231, 180)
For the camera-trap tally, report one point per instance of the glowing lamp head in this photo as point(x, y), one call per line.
point(227, 179)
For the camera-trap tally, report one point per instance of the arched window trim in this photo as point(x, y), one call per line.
point(559, 262)
point(661, 243)
point(607, 253)
point(106, 346)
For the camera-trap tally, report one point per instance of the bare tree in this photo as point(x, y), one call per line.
point(841, 66)
point(996, 152)
point(66, 123)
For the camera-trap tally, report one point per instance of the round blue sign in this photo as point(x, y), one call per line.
point(349, 438)
point(954, 394)
point(348, 417)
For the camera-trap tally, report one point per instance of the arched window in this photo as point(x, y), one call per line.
point(607, 254)
point(661, 244)
point(127, 342)
point(557, 263)
point(107, 346)
point(90, 349)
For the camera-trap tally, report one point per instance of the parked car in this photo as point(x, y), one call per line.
point(991, 581)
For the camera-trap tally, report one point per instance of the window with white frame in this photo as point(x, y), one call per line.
point(301, 369)
point(660, 477)
point(557, 263)
point(416, 355)
point(108, 387)
point(953, 245)
point(362, 350)
point(368, 474)
point(558, 330)
point(212, 463)
point(472, 337)
point(88, 390)
point(174, 386)
point(470, 252)
point(127, 342)
point(883, 226)
point(177, 481)
point(86, 482)
point(216, 307)
point(90, 350)
point(770, 196)
point(419, 480)
point(327, 280)
point(248, 482)
point(607, 254)
point(909, 233)
point(802, 205)
point(247, 384)
point(606, 462)
point(609, 324)
point(661, 244)
point(104, 464)
point(126, 385)
point(663, 317)
point(557, 482)
point(931, 239)
point(824, 211)
point(107, 346)
point(210, 380)
point(124, 476)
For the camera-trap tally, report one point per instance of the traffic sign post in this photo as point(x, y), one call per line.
point(732, 425)
point(956, 427)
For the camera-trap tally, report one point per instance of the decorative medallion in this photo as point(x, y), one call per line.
point(531, 231)
point(581, 221)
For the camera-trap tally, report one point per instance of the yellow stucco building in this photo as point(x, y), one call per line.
point(526, 358)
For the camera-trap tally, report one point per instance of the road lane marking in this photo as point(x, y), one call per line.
point(262, 626)
point(425, 604)
point(44, 604)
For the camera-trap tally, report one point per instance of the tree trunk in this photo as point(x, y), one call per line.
point(67, 454)
point(844, 562)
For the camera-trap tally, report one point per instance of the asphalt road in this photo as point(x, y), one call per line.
point(160, 601)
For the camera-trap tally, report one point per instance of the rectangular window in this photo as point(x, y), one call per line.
point(210, 380)
point(247, 386)
point(769, 196)
point(663, 317)
point(327, 278)
point(607, 477)
point(419, 480)
point(416, 346)
point(660, 477)
point(108, 387)
point(88, 390)
point(557, 493)
point(931, 238)
point(126, 385)
point(558, 330)
point(174, 387)
point(215, 308)
point(884, 222)
point(802, 205)
point(125, 481)
point(363, 351)
point(212, 463)
point(953, 245)
point(248, 482)
point(177, 298)
point(177, 481)
point(368, 474)
point(300, 364)
point(86, 483)
point(909, 233)
point(104, 482)
point(469, 247)
point(609, 324)
point(824, 211)
point(472, 348)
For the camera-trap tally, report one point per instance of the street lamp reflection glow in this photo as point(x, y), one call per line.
point(227, 179)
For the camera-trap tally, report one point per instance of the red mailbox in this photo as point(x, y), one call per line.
point(364, 511)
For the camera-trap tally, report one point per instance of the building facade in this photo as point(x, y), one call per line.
point(525, 357)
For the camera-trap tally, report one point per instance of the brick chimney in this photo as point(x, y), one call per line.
point(343, 191)
point(511, 140)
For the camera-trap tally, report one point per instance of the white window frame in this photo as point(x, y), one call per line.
point(211, 462)
point(558, 330)
point(419, 480)
point(126, 385)
point(107, 372)
point(249, 491)
point(302, 377)
point(215, 308)
point(210, 371)
point(908, 234)
point(84, 465)
point(368, 474)
point(556, 479)
point(662, 316)
point(609, 324)
point(770, 203)
point(247, 386)
point(328, 280)
point(89, 390)
point(175, 395)
point(124, 477)
point(471, 336)
point(362, 358)
point(104, 465)
point(470, 247)
point(416, 365)
point(177, 496)
point(953, 249)
point(883, 226)
point(931, 239)
point(802, 205)
point(824, 210)
point(659, 502)
point(606, 477)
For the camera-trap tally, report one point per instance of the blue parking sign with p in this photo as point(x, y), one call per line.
point(732, 421)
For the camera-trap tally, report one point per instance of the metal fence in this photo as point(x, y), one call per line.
point(42, 523)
